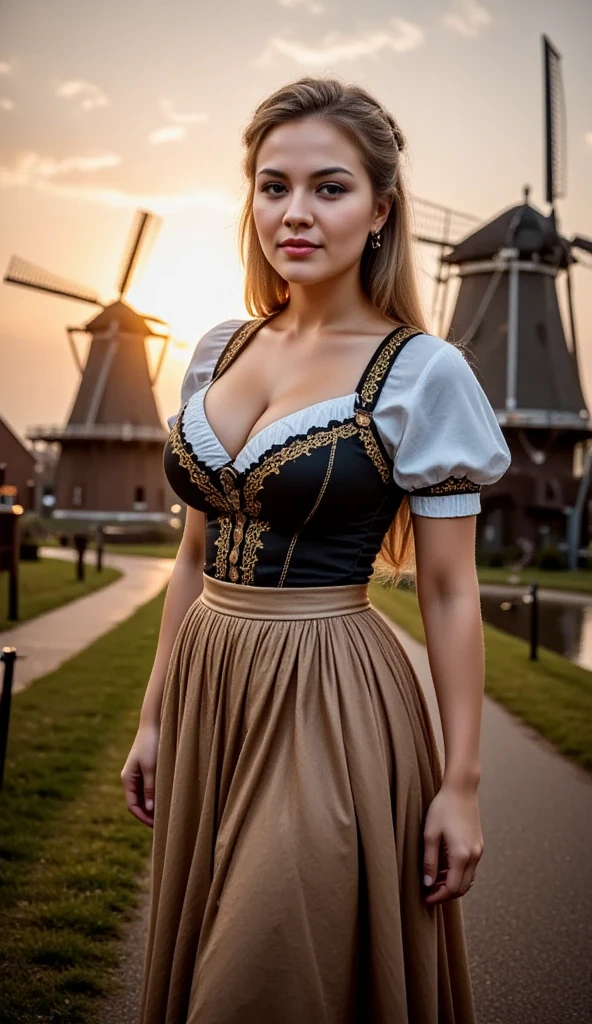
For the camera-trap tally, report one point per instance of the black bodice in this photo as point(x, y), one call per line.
point(313, 510)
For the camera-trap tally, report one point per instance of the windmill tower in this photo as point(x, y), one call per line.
point(508, 319)
point(110, 465)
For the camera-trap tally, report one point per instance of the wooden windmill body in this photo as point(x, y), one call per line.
point(507, 315)
point(508, 322)
point(110, 465)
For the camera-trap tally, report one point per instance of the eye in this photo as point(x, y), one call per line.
point(277, 184)
point(333, 184)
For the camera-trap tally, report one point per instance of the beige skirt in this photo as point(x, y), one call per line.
point(296, 765)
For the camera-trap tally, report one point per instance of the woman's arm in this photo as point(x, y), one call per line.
point(449, 602)
point(185, 586)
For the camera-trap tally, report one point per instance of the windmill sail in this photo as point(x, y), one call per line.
point(555, 124)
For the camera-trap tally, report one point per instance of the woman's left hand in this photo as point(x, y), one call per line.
point(453, 844)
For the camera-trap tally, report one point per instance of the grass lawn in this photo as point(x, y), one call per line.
point(552, 694)
point(147, 550)
point(71, 855)
point(47, 584)
point(576, 580)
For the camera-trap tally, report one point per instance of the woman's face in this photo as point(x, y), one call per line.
point(334, 209)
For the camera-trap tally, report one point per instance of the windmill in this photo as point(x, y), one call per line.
point(507, 316)
point(110, 465)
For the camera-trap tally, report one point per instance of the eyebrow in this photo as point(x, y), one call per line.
point(314, 174)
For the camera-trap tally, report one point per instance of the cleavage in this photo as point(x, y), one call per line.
point(257, 429)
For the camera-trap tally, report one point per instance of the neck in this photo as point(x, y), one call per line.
point(336, 305)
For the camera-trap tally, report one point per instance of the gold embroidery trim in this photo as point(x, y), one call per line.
point(196, 475)
point(452, 485)
point(252, 543)
point(223, 544)
point(375, 454)
point(381, 365)
point(235, 344)
point(310, 514)
point(301, 446)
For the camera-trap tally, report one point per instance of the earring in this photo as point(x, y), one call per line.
point(375, 239)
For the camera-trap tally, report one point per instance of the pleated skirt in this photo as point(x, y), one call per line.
point(296, 765)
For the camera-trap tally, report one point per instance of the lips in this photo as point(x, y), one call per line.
point(298, 243)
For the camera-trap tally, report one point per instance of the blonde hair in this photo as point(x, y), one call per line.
point(387, 274)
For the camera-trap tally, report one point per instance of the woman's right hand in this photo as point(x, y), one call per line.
point(139, 772)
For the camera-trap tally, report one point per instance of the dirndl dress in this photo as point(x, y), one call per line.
point(297, 758)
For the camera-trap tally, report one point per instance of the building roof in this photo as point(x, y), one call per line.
point(6, 428)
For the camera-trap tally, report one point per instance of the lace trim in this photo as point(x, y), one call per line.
point(452, 485)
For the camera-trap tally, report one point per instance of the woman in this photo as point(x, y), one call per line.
point(308, 851)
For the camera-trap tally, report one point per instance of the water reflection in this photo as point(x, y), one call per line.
point(563, 627)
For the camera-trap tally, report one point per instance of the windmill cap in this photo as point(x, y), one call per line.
point(521, 227)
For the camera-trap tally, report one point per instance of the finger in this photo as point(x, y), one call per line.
point(450, 886)
point(148, 789)
point(133, 797)
point(468, 875)
point(431, 854)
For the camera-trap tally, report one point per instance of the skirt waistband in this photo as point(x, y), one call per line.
point(283, 602)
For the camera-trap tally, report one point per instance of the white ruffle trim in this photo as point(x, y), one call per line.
point(200, 435)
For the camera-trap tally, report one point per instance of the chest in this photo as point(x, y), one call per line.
point(335, 471)
point(274, 381)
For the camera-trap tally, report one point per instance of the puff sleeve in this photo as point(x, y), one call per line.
point(203, 361)
point(451, 442)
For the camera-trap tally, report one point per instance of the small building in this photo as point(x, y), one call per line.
point(17, 470)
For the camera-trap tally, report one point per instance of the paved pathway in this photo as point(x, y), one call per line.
point(50, 639)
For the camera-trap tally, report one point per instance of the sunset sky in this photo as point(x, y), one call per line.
point(108, 107)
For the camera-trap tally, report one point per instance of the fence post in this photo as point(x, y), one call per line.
point(534, 622)
point(8, 657)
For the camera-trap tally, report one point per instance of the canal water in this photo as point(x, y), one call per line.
point(564, 626)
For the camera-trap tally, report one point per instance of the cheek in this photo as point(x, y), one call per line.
point(265, 216)
point(346, 223)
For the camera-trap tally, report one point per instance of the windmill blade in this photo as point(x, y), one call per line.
point(555, 124)
point(166, 340)
point(28, 275)
point(144, 223)
point(153, 319)
point(582, 243)
point(439, 225)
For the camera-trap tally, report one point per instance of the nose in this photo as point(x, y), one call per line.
point(297, 210)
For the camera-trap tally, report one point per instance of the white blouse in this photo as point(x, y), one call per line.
point(432, 414)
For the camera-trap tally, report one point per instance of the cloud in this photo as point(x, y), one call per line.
point(588, 138)
point(5, 68)
point(32, 168)
point(172, 133)
point(6, 104)
point(191, 118)
point(91, 97)
point(398, 37)
point(311, 6)
point(467, 17)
